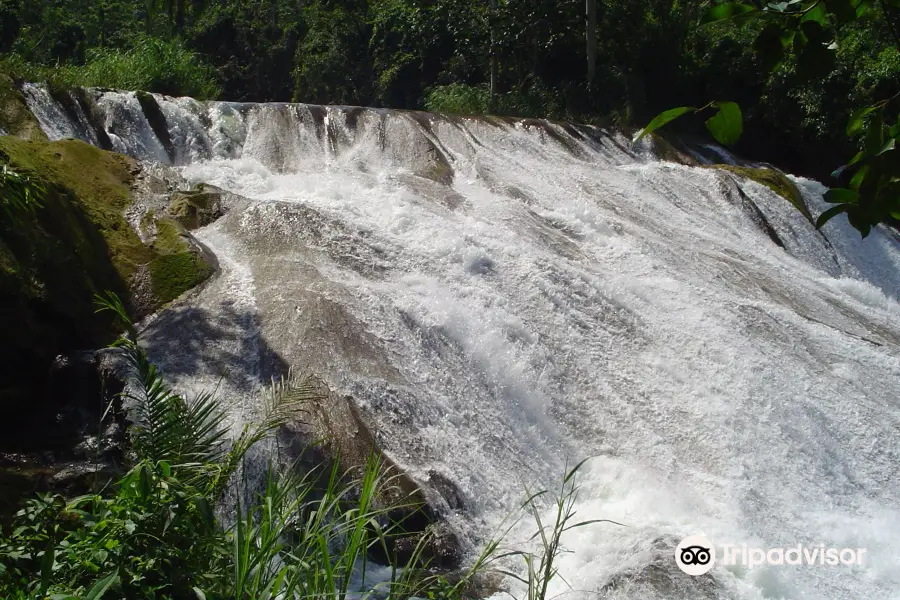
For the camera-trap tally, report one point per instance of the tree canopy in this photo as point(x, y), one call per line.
point(794, 71)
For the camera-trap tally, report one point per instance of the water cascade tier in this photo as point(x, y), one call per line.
point(501, 298)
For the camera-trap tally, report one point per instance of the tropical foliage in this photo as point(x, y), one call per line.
point(797, 69)
point(159, 533)
point(19, 193)
point(810, 33)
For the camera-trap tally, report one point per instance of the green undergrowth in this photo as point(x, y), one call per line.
point(147, 63)
point(307, 532)
point(776, 181)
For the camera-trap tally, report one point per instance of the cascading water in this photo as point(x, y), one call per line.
point(503, 298)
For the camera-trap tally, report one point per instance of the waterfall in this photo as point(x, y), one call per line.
point(505, 297)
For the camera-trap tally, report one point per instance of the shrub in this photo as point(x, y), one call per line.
point(464, 99)
point(151, 64)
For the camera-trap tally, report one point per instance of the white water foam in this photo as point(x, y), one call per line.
point(565, 298)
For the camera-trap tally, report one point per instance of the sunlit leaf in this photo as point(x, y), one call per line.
point(661, 119)
point(816, 13)
point(727, 125)
point(102, 586)
point(855, 124)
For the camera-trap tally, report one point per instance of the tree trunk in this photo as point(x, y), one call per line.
point(591, 38)
point(492, 19)
point(179, 16)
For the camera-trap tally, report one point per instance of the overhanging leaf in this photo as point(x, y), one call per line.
point(860, 176)
point(830, 214)
point(816, 13)
point(855, 124)
point(841, 196)
point(727, 125)
point(661, 119)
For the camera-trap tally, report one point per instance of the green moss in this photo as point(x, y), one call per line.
point(15, 118)
point(173, 274)
point(775, 181)
point(78, 244)
point(101, 183)
point(169, 238)
point(179, 267)
point(196, 208)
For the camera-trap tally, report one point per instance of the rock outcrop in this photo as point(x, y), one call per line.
point(78, 243)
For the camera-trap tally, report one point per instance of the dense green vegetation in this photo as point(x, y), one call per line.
point(520, 57)
point(812, 33)
point(154, 534)
point(64, 236)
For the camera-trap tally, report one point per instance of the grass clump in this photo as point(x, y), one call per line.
point(149, 63)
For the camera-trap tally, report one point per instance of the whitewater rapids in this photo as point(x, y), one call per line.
point(504, 298)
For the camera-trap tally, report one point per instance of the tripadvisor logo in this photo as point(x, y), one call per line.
point(696, 555)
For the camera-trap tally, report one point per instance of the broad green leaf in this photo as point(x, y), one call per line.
point(727, 125)
point(841, 196)
point(47, 563)
point(830, 214)
point(855, 124)
point(199, 593)
point(860, 176)
point(896, 214)
point(816, 13)
point(875, 135)
point(858, 220)
point(726, 11)
point(894, 131)
point(862, 8)
point(102, 586)
point(888, 146)
point(661, 119)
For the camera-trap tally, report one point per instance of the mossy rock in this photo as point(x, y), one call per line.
point(776, 181)
point(15, 117)
point(180, 265)
point(77, 244)
point(198, 207)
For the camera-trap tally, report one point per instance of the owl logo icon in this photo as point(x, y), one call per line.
point(695, 555)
